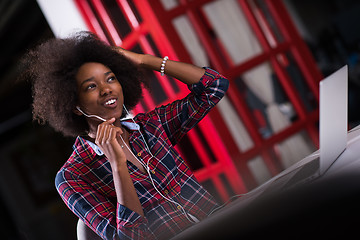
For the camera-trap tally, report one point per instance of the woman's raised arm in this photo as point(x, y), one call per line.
point(186, 73)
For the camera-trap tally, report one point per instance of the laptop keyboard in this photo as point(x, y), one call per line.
point(309, 169)
point(306, 172)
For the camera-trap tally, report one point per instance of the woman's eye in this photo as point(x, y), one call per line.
point(110, 79)
point(91, 86)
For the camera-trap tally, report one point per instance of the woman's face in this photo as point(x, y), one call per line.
point(99, 92)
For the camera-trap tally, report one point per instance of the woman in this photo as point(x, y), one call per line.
point(124, 179)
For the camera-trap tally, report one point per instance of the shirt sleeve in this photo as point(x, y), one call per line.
point(182, 115)
point(109, 221)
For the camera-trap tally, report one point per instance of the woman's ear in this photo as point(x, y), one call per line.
point(77, 111)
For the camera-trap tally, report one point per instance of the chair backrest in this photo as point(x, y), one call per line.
point(85, 233)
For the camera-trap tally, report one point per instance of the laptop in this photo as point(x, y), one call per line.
point(332, 134)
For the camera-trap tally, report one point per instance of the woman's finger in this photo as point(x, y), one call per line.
point(99, 134)
point(101, 127)
point(110, 121)
point(103, 132)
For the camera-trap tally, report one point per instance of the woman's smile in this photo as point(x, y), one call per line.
point(111, 102)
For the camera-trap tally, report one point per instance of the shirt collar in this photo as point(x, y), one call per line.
point(130, 125)
point(96, 149)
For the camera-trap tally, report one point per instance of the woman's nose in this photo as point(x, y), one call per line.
point(105, 90)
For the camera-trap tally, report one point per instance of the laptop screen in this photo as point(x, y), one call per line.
point(333, 117)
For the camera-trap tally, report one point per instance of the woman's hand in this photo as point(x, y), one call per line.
point(107, 138)
point(136, 58)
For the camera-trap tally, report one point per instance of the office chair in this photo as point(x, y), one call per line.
point(85, 233)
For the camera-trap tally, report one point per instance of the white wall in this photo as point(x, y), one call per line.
point(63, 17)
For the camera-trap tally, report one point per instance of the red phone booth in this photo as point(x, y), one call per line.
point(268, 119)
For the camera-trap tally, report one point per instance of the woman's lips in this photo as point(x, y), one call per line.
point(111, 103)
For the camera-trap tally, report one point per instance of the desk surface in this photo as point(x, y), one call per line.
point(327, 206)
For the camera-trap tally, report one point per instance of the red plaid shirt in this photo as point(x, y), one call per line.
point(85, 182)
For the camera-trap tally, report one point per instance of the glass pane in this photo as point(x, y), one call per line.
point(266, 22)
point(232, 30)
point(117, 18)
point(170, 4)
point(295, 148)
point(236, 127)
point(267, 100)
point(299, 81)
point(259, 169)
point(191, 41)
point(135, 11)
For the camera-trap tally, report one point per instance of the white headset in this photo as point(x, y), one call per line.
point(190, 217)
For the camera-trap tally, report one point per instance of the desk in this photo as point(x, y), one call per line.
point(328, 207)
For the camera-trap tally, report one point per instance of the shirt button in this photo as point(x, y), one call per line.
point(139, 154)
point(179, 207)
point(153, 171)
point(166, 192)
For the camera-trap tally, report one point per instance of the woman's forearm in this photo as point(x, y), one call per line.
point(107, 135)
point(186, 73)
point(125, 190)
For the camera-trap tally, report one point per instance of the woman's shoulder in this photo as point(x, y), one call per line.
point(71, 165)
point(82, 153)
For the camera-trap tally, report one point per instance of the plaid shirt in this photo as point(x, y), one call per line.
point(85, 182)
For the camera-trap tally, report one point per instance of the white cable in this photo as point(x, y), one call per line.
point(90, 115)
point(152, 181)
point(190, 218)
point(146, 167)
